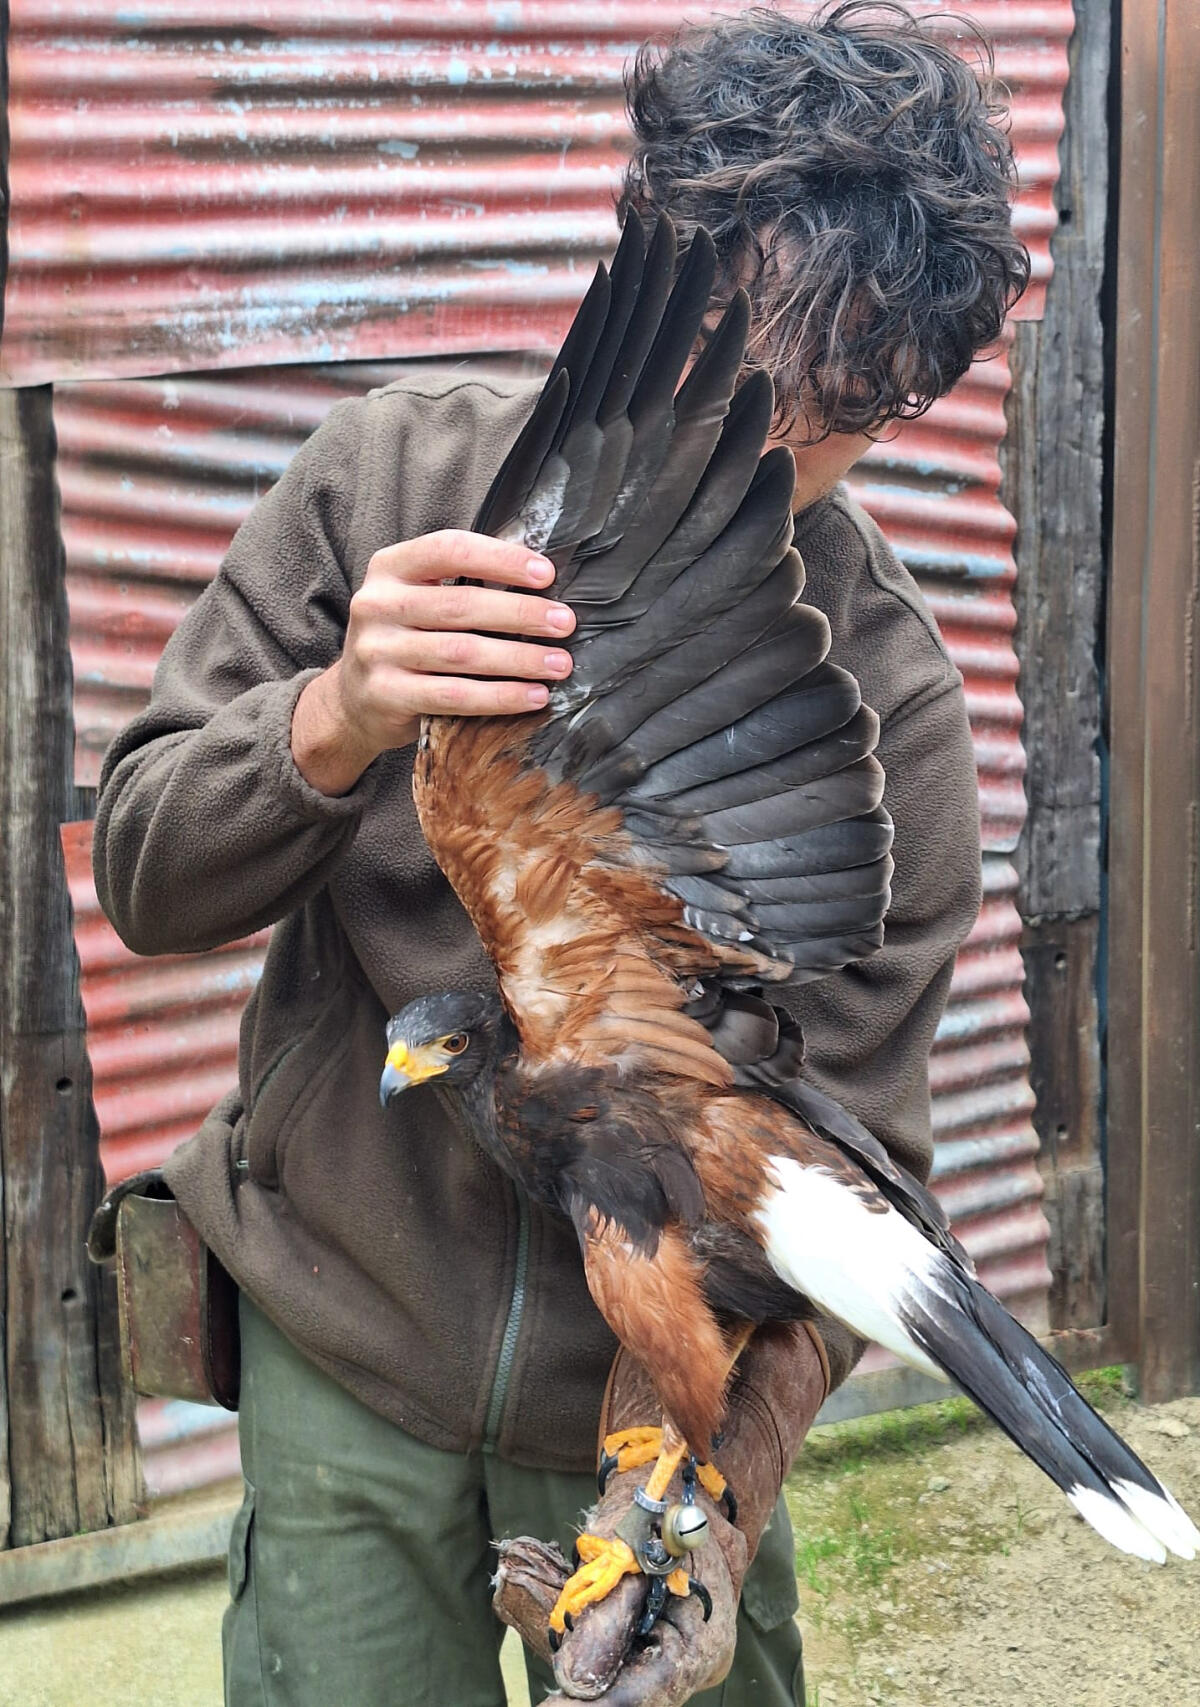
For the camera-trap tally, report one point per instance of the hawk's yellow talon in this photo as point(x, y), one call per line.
point(712, 1481)
point(633, 1447)
point(678, 1582)
point(604, 1564)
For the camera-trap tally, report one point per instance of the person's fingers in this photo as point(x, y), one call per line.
point(439, 609)
point(457, 696)
point(466, 654)
point(454, 552)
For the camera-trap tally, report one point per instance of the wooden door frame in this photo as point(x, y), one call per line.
point(1153, 1090)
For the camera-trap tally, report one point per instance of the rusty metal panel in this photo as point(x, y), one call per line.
point(185, 1445)
point(985, 1148)
point(162, 1032)
point(157, 473)
point(201, 186)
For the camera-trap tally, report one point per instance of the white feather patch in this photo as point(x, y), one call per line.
point(1110, 1519)
point(857, 1264)
point(1163, 1516)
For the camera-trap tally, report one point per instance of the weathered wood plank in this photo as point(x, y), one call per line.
point(1054, 483)
point(1061, 960)
point(178, 1536)
point(71, 1450)
point(1154, 960)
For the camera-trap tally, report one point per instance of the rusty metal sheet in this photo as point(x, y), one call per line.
point(186, 1445)
point(157, 473)
point(985, 1148)
point(201, 186)
point(162, 1032)
point(155, 476)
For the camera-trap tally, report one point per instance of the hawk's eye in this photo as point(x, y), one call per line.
point(455, 1043)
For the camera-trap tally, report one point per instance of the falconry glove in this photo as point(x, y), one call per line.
point(777, 1389)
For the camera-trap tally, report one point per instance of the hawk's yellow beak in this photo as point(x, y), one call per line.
point(404, 1067)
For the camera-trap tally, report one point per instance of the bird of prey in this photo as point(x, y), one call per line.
point(696, 816)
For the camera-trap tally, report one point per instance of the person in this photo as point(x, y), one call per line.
point(422, 1365)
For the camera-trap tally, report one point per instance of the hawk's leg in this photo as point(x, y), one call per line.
point(631, 1448)
point(640, 1544)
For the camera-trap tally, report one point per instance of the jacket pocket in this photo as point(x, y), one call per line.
point(769, 1593)
point(239, 1545)
point(284, 1083)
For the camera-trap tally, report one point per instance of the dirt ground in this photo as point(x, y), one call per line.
point(937, 1568)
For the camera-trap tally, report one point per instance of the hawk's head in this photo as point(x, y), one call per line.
point(452, 1036)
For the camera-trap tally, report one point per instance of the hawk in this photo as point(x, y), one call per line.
point(695, 817)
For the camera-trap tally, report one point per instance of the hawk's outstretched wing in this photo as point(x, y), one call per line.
point(697, 813)
point(698, 809)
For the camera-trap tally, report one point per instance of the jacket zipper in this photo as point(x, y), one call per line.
point(516, 1302)
point(512, 1328)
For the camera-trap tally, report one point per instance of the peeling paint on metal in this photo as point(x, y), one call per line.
point(324, 175)
point(200, 187)
point(162, 1032)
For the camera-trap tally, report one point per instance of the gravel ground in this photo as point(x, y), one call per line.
point(937, 1568)
point(947, 1570)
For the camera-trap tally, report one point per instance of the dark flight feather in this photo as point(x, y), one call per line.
point(700, 682)
point(605, 598)
point(803, 765)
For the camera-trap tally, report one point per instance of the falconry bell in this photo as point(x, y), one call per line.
point(684, 1528)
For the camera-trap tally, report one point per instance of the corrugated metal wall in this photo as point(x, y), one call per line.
point(208, 192)
point(205, 185)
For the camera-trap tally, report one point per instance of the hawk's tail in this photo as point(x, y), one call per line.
point(871, 1267)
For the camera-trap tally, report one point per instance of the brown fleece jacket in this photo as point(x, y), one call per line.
point(385, 1244)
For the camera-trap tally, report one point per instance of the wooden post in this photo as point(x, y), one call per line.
point(71, 1460)
point(1054, 485)
point(1154, 721)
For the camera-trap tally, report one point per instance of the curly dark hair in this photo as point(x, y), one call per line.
point(856, 175)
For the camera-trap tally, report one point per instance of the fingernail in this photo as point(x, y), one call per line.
point(542, 568)
point(559, 617)
point(537, 696)
point(557, 663)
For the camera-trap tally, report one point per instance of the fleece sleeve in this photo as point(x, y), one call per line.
point(205, 829)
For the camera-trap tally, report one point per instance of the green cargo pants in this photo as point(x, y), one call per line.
point(360, 1561)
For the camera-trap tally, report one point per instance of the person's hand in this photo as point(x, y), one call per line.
point(415, 645)
point(600, 1659)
